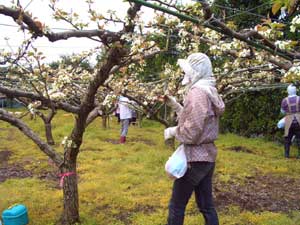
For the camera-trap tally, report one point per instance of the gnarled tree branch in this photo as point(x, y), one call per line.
point(46, 148)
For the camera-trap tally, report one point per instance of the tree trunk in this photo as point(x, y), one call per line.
point(70, 214)
point(48, 129)
point(140, 119)
point(108, 121)
point(104, 121)
point(47, 119)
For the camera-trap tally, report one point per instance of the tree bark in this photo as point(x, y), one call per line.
point(92, 116)
point(70, 214)
point(104, 121)
point(47, 119)
point(140, 119)
point(49, 136)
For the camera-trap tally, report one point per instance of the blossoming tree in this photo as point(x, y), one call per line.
point(52, 89)
point(270, 47)
point(257, 57)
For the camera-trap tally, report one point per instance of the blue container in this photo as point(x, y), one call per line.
point(15, 215)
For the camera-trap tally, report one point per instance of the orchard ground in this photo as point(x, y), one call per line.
point(126, 184)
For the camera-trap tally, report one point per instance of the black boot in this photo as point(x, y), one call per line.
point(286, 150)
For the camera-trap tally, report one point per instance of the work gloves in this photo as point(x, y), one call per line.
point(170, 132)
point(171, 101)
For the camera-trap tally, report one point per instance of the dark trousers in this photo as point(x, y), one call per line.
point(198, 178)
point(118, 117)
point(294, 130)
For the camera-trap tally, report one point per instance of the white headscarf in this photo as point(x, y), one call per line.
point(198, 72)
point(292, 90)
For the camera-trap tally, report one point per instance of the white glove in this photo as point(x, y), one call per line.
point(171, 101)
point(170, 132)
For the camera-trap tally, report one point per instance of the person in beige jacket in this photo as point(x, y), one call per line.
point(197, 129)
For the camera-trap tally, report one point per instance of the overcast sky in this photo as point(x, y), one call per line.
point(41, 10)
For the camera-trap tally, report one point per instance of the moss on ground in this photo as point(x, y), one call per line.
point(126, 184)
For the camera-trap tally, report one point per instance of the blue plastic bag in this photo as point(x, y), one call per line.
point(176, 165)
point(281, 123)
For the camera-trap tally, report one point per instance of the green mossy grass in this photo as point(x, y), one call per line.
point(126, 184)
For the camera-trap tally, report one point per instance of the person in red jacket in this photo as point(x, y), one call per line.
point(197, 129)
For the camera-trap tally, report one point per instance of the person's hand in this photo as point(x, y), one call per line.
point(169, 132)
point(170, 101)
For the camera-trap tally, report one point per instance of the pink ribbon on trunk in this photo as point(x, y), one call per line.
point(63, 175)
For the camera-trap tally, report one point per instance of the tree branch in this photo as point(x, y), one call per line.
point(47, 149)
point(35, 26)
point(105, 36)
point(45, 101)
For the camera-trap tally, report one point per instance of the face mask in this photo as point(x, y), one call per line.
point(186, 80)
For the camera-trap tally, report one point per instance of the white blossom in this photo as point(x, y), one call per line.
point(295, 23)
point(283, 44)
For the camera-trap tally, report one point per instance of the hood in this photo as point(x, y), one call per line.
point(208, 85)
point(217, 101)
point(196, 67)
point(291, 90)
